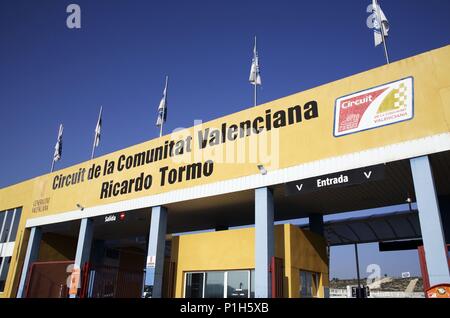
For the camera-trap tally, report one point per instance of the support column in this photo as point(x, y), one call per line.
point(84, 245)
point(430, 221)
point(155, 254)
point(31, 256)
point(316, 224)
point(264, 241)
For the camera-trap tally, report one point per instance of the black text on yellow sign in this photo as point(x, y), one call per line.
point(208, 137)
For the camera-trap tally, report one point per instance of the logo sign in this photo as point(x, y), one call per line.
point(375, 107)
point(114, 217)
point(439, 291)
point(339, 179)
point(110, 218)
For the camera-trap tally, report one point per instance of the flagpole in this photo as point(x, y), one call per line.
point(95, 136)
point(382, 31)
point(255, 93)
point(93, 151)
point(93, 145)
point(58, 148)
point(384, 44)
point(164, 110)
point(255, 84)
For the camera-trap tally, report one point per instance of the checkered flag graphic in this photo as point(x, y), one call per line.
point(401, 96)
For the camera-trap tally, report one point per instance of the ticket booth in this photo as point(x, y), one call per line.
point(221, 264)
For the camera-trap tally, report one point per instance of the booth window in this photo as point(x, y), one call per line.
point(309, 283)
point(9, 223)
point(214, 284)
point(220, 284)
point(194, 285)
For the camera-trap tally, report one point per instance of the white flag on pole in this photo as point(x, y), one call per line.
point(162, 108)
point(380, 23)
point(58, 147)
point(255, 77)
point(98, 129)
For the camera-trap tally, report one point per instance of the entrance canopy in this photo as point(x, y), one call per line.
point(237, 208)
point(374, 228)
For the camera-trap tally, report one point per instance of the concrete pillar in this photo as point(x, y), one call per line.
point(316, 224)
point(264, 241)
point(430, 221)
point(155, 254)
point(31, 256)
point(84, 245)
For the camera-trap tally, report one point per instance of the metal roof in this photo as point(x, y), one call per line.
point(373, 228)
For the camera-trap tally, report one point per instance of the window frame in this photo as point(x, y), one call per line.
point(185, 282)
point(225, 281)
point(315, 280)
point(2, 228)
point(8, 239)
point(248, 271)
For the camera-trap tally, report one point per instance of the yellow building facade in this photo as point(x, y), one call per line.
point(300, 252)
point(233, 171)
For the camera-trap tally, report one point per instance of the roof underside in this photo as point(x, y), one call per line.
point(237, 208)
point(234, 209)
point(374, 228)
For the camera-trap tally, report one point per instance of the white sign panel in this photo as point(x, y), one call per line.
point(375, 107)
point(406, 274)
point(6, 249)
point(151, 260)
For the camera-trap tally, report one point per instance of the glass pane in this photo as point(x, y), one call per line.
point(194, 285)
point(12, 238)
point(214, 284)
point(4, 265)
point(252, 283)
point(309, 284)
point(237, 284)
point(316, 284)
point(2, 217)
point(305, 284)
point(7, 226)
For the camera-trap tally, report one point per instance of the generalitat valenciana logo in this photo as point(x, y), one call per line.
point(375, 107)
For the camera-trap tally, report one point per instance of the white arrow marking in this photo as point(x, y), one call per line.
point(368, 174)
point(299, 187)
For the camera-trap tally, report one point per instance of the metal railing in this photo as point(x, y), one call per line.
point(114, 282)
point(342, 293)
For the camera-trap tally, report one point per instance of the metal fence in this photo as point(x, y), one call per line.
point(114, 282)
point(48, 279)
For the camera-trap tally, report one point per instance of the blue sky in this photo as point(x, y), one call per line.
point(119, 57)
